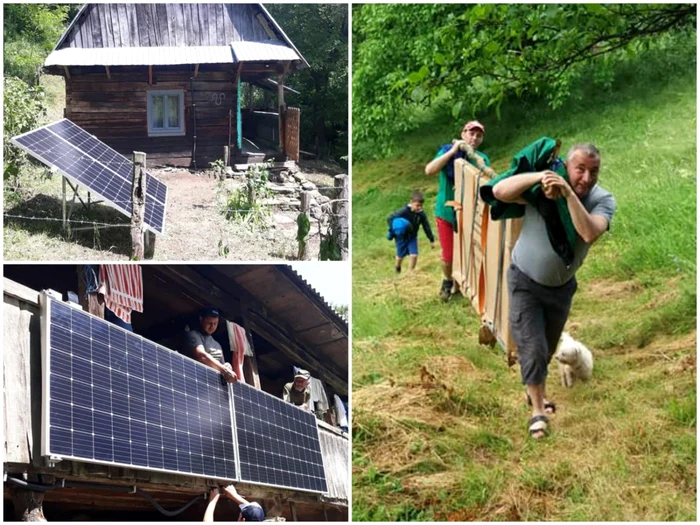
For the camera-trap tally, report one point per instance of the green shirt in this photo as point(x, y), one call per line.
point(446, 183)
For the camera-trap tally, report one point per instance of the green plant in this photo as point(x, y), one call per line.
point(245, 204)
point(219, 168)
point(24, 106)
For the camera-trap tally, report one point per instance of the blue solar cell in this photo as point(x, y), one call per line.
point(89, 162)
point(277, 442)
point(112, 399)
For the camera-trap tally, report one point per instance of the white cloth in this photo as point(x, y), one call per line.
point(340, 409)
point(318, 395)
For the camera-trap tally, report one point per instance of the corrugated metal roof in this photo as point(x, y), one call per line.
point(161, 56)
point(140, 56)
point(262, 52)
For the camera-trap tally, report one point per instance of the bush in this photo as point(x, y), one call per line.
point(24, 108)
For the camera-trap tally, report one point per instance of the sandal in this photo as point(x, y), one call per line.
point(548, 405)
point(538, 424)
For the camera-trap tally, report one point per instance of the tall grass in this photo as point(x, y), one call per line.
point(439, 421)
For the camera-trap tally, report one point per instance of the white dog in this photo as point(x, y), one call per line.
point(575, 360)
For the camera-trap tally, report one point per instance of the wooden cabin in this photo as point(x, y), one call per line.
point(181, 81)
point(288, 323)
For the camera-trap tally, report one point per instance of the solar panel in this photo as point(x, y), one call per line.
point(86, 160)
point(113, 397)
point(278, 443)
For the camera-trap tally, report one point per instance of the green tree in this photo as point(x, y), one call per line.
point(31, 31)
point(473, 57)
point(320, 33)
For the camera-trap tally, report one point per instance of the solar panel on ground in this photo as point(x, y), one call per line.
point(114, 397)
point(86, 160)
point(278, 443)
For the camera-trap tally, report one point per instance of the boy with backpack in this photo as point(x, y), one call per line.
point(403, 229)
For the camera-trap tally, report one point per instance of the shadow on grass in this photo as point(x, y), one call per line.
point(114, 239)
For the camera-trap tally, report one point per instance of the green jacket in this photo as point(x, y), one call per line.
point(537, 157)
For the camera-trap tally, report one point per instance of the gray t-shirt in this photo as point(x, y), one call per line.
point(533, 253)
point(194, 338)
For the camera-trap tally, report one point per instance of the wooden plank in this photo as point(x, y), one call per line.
point(187, 23)
point(164, 29)
point(138, 198)
point(211, 23)
point(178, 24)
point(114, 18)
point(105, 24)
point(21, 394)
point(87, 32)
point(341, 209)
point(107, 71)
point(21, 292)
point(154, 30)
point(97, 24)
point(124, 33)
point(133, 20)
point(220, 24)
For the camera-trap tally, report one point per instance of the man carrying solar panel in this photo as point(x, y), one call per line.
point(204, 348)
point(249, 511)
point(298, 392)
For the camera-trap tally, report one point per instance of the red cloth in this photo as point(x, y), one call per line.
point(122, 286)
point(446, 236)
point(240, 342)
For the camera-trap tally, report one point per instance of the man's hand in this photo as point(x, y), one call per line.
point(555, 186)
point(458, 145)
point(432, 245)
point(305, 407)
point(214, 495)
point(229, 374)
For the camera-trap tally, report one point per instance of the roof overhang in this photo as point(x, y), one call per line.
point(234, 53)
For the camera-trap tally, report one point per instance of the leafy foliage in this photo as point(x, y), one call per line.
point(31, 32)
point(471, 58)
point(24, 106)
point(320, 32)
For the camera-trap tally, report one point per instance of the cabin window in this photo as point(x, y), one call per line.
point(166, 113)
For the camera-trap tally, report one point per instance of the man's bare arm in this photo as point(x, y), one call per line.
point(589, 227)
point(203, 357)
point(510, 189)
point(434, 166)
point(231, 493)
point(213, 499)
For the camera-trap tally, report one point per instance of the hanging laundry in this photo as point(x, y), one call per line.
point(318, 396)
point(240, 347)
point(122, 287)
point(342, 414)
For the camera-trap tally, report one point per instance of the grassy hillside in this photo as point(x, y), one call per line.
point(439, 422)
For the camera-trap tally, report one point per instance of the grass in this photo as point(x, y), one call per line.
point(439, 422)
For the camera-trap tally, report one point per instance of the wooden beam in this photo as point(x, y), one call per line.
point(138, 211)
point(150, 75)
point(20, 291)
point(196, 70)
point(200, 286)
point(65, 68)
point(109, 77)
point(295, 351)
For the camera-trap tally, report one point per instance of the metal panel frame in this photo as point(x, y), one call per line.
point(270, 484)
point(79, 183)
point(45, 301)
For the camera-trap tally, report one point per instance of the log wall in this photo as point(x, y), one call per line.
point(115, 111)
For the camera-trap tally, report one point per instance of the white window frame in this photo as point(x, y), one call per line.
point(166, 132)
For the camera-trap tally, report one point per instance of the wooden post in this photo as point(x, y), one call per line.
point(27, 504)
point(138, 208)
point(63, 203)
point(305, 205)
point(294, 511)
point(226, 158)
point(280, 108)
point(340, 210)
point(230, 130)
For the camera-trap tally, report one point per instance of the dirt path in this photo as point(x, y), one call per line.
point(195, 227)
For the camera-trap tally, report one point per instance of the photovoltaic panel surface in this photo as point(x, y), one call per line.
point(278, 443)
point(114, 397)
point(90, 162)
